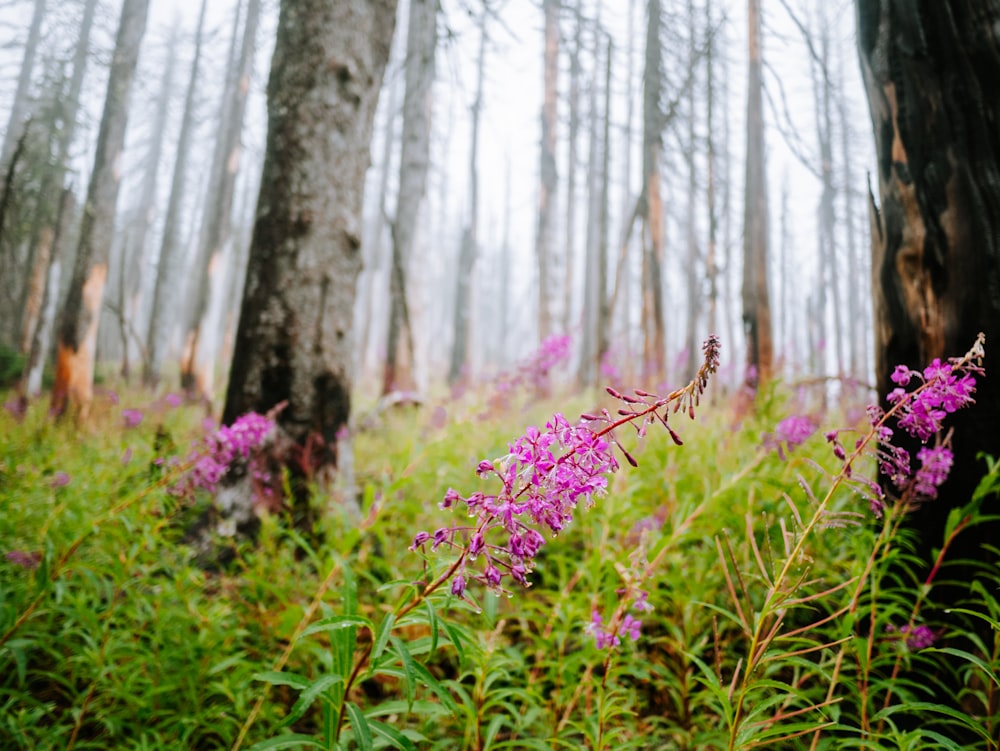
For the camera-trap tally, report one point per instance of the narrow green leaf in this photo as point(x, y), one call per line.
point(409, 669)
point(395, 738)
point(432, 620)
point(435, 685)
point(382, 635)
point(968, 656)
point(362, 733)
point(313, 692)
point(337, 623)
point(455, 637)
point(277, 678)
point(287, 741)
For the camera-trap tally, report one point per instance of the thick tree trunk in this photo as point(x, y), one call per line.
point(933, 85)
point(81, 312)
point(421, 46)
point(201, 338)
point(756, 301)
point(294, 343)
point(548, 176)
point(572, 136)
point(167, 286)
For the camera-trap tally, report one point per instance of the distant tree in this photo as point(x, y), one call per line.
point(933, 84)
point(651, 202)
point(167, 287)
point(202, 329)
point(414, 162)
point(80, 314)
point(548, 176)
point(295, 340)
point(756, 299)
point(19, 107)
point(470, 233)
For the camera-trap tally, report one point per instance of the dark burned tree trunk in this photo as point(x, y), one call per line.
point(933, 84)
point(294, 342)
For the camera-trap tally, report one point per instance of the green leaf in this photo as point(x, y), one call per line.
point(382, 635)
point(277, 678)
point(433, 622)
point(362, 733)
point(313, 692)
point(969, 657)
point(434, 685)
point(395, 738)
point(287, 741)
point(409, 669)
point(455, 637)
point(926, 706)
point(337, 623)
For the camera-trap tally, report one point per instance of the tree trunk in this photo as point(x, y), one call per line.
point(654, 324)
point(19, 107)
point(572, 136)
point(756, 301)
point(692, 277)
point(80, 314)
point(603, 301)
point(414, 161)
point(167, 286)
point(46, 222)
point(294, 343)
point(136, 258)
point(711, 262)
point(470, 237)
point(548, 183)
point(201, 339)
point(933, 85)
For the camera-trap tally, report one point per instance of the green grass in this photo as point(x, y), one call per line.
point(768, 628)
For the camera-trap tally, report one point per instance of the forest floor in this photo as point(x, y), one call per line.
point(730, 592)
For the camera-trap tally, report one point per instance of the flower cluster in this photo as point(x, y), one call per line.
point(608, 636)
point(943, 388)
point(533, 372)
point(543, 478)
point(791, 432)
point(917, 637)
point(222, 448)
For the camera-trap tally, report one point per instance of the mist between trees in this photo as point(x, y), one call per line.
point(429, 205)
point(534, 169)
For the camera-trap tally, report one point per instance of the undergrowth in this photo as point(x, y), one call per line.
point(778, 618)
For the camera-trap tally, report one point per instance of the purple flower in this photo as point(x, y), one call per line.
point(225, 446)
point(23, 559)
point(791, 432)
point(17, 407)
point(131, 417)
point(595, 628)
point(173, 400)
point(458, 586)
point(59, 480)
point(630, 627)
point(935, 464)
point(917, 637)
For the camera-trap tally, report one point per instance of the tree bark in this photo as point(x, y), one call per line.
point(548, 176)
point(81, 311)
point(294, 343)
point(470, 236)
point(414, 162)
point(653, 321)
point(756, 300)
point(19, 107)
point(933, 84)
point(166, 287)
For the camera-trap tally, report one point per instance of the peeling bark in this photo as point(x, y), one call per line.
point(933, 82)
point(81, 312)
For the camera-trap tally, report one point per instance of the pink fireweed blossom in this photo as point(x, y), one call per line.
point(917, 637)
point(541, 481)
point(222, 448)
point(790, 433)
